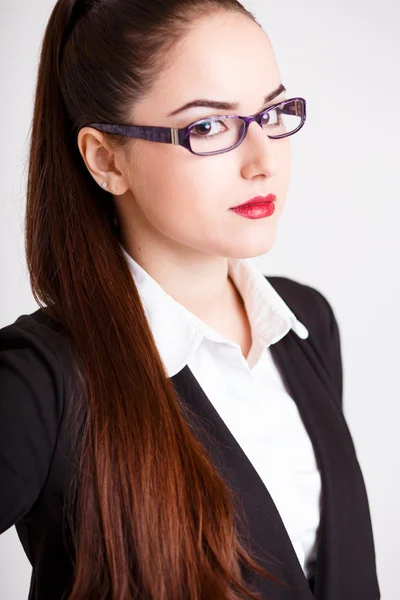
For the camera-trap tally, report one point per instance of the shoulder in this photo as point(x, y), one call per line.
point(35, 345)
point(315, 311)
point(35, 353)
point(29, 345)
point(309, 304)
point(37, 327)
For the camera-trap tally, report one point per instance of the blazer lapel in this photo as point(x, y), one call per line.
point(267, 537)
point(345, 542)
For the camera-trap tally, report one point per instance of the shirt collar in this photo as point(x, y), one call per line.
point(178, 332)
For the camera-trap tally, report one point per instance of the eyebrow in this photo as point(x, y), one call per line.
point(224, 105)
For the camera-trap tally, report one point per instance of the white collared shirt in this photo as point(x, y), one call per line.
point(248, 394)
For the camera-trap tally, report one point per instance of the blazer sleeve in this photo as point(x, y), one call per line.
point(31, 406)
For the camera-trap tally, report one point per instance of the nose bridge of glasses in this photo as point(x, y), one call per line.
point(249, 120)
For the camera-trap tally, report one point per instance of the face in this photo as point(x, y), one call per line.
point(175, 199)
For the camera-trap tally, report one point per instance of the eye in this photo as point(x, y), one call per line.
point(208, 128)
point(272, 118)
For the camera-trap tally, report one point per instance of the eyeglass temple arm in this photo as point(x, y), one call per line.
point(167, 135)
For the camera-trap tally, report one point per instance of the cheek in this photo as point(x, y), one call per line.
point(180, 187)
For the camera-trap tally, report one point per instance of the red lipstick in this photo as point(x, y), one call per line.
point(257, 208)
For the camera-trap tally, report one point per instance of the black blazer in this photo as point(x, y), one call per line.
point(35, 385)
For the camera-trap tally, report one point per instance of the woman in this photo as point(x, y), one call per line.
point(165, 435)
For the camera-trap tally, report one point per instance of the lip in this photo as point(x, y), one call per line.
point(257, 200)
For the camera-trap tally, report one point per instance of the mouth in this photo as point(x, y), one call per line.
point(256, 201)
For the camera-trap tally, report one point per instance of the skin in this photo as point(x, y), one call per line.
point(173, 206)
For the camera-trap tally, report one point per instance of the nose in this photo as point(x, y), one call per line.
point(259, 149)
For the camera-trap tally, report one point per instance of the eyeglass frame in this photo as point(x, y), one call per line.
point(181, 136)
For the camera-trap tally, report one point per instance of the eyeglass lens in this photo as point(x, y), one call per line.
point(218, 134)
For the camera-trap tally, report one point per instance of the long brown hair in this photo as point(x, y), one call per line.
point(154, 519)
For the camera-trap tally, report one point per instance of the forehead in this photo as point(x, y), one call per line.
point(223, 57)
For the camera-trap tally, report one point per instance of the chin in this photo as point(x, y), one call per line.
point(254, 248)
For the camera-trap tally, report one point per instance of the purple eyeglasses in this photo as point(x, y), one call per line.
point(279, 121)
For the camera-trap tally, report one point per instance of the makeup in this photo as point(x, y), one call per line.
point(257, 208)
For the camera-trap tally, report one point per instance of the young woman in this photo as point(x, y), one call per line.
point(171, 423)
